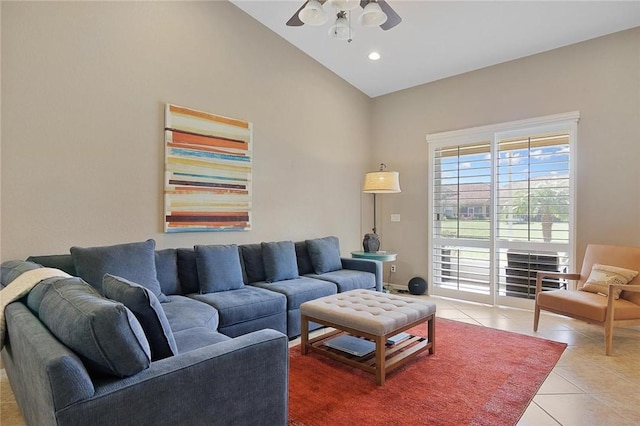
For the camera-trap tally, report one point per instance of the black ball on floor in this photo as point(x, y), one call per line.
point(417, 286)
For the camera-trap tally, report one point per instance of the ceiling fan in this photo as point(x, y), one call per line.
point(375, 13)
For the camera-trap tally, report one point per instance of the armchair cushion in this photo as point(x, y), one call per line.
point(603, 275)
point(585, 305)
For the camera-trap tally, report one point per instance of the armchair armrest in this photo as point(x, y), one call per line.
point(544, 274)
point(239, 381)
point(610, 298)
point(624, 287)
point(365, 265)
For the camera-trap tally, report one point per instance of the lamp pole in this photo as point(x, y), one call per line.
point(374, 213)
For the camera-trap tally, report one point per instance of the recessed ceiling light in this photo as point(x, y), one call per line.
point(374, 56)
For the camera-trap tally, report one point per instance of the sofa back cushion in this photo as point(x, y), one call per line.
point(304, 261)
point(219, 268)
point(133, 261)
point(167, 271)
point(252, 262)
point(279, 261)
point(12, 269)
point(147, 309)
point(324, 254)
point(188, 270)
point(103, 333)
point(64, 262)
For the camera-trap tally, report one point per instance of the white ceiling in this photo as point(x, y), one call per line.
point(438, 39)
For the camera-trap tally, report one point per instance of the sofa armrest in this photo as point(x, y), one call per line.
point(44, 374)
point(365, 265)
point(239, 381)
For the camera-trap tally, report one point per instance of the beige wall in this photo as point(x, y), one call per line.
point(83, 89)
point(599, 78)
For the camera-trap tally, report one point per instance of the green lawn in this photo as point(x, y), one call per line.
point(479, 229)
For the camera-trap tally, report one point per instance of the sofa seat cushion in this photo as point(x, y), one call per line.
point(347, 279)
point(147, 309)
point(104, 333)
point(244, 304)
point(183, 313)
point(586, 305)
point(197, 337)
point(132, 261)
point(299, 290)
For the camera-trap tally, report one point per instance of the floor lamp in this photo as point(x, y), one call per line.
point(380, 182)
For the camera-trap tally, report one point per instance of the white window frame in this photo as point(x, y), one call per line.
point(559, 122)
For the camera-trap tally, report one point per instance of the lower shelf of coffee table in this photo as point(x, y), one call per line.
point(395, 355)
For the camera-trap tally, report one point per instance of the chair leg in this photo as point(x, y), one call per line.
point(536, 317)
point(608, 338)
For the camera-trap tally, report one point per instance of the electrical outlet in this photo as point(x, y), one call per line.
point(393, 268)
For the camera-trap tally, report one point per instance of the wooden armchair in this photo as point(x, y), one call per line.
point(591, 307)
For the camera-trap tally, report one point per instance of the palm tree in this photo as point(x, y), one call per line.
point(545, 202)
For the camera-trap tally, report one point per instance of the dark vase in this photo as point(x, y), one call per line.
point(371, 243)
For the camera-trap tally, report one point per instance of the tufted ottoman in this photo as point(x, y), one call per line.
point(376, 317)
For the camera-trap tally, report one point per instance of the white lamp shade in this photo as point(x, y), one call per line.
point(344, 4)
point(313, 13)
point(381, 183)
point(372, 16)
point(341, 30)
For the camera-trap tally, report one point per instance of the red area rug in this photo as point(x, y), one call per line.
point(478, 376)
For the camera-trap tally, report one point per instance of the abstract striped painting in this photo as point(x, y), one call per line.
point(207, 172)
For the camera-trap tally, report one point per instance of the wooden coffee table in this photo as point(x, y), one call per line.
point(376, 317)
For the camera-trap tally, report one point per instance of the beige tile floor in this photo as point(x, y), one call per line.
point(585, 388)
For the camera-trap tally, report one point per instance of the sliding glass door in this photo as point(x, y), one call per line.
point(501, 209)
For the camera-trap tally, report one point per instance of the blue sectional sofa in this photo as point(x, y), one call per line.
point(176, 336)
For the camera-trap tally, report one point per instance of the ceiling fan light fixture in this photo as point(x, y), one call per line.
point(344, 4)
point(341, 30)
point(313, 13)
point(372, 16)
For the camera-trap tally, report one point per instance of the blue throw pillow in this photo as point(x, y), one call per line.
point(219, 268)
point(324, 254)
point(132, 261)
point(147, 309)
point(103, 333)
point(279, 261)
